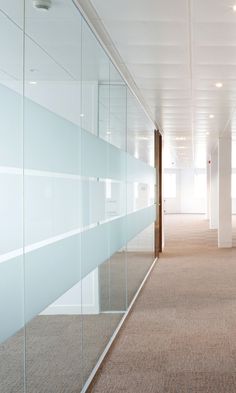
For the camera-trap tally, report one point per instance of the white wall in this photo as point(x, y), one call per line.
point(234, 191)
point(185, 200)
point(234, 206)
point(81, 298)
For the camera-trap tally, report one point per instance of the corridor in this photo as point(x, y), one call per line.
point(181, 334)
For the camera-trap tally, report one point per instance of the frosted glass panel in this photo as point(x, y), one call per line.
point(11, 295)
point(95, 246)
point(138, 171)
point(77, 201)
point(53, 197)
point(63, 258)
point(10, 211)
point(12, 345)
point(53, 135)
point(95, 153)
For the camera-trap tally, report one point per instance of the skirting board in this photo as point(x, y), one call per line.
point(96, 368)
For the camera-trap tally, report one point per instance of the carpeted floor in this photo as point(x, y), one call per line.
point(181, 334)
point(56, 353)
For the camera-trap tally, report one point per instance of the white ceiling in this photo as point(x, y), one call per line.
point(176, 50)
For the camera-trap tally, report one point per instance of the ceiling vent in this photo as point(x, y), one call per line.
point(44, 5)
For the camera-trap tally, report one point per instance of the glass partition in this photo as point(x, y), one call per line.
point(140, 256)
point(12, 335)
point(96, 324)
point(53, 195)
point(77, 201)
point(117, 200)
point(140, 194)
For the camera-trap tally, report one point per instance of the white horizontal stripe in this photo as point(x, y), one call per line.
point(11, 170)
point(11, 255)
point(54, 239)
point(43, 243)
point(51, 240)
point(35, 246)
point(59, 175)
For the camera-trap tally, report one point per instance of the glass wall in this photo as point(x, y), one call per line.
point(12, 335)
point(77, 198)
point(140, 195)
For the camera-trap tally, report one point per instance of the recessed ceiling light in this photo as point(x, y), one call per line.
point(108, 132)
point(32, 82)
point(219, 85)
point(81, 115)
point(207, 133)
point(234, 8)
point(211, 116)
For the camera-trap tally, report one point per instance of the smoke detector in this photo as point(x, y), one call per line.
point(44, 5)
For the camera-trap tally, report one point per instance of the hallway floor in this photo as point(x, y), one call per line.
point(181, 334)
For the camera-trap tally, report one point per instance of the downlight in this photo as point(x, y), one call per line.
point(44, 5)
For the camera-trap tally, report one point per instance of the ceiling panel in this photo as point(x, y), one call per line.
point(163, 83)
point(155, 54)
point(141, 32)
point(213, 11)
point(215, 71)
point(210, 33)
point(176, 52)
point(14, 10)
point(159, 70)
point(130, 10)
point(215, 54)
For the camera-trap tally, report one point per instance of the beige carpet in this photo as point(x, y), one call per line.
point(60, 351)
point(181, 334)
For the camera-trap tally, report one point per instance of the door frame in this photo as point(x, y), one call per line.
point(158, 191)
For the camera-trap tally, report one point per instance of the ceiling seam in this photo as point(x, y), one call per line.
point(115, 57)
point(39, 46)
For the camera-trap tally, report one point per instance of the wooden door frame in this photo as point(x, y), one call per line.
point(158, 191)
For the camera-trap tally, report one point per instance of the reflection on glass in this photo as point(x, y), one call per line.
point(140, 256)
point(77, 192)
point(52, 191)
point(115, 199)
point(96, 324)
point(11, 184)
point(140, 137)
